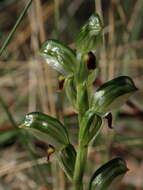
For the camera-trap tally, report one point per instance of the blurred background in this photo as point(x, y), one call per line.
point(28, 84)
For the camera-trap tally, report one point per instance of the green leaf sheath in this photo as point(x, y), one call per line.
point(81, 70)
point(90, 127)
point(107, 175)
point(70, 90)
point(90, 35)
point(66, 158)
point(47, 129)
point(59, 56)
point(112, 94)
point(82, 99)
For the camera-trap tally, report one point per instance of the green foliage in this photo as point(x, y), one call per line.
point(79, 73)
point(47, 129)
point(90, 35)
point(66, 160)
point(113, 94)
point(108, 175)
point(91, 125)
point(70, 90)
point(59, 56)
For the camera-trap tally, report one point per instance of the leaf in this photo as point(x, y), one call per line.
point(90, 35)
point(109, 175)
point(90, 127)
point(47, 129)
point(59, 56)
point(66, 158)
point(113, 94)
point(70, 90)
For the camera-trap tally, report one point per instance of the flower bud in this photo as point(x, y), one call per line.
point(90, 35)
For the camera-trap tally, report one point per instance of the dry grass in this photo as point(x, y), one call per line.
point(27, 84)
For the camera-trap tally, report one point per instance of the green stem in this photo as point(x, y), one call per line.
point(83, 106)
point(82, 150)
point(6, 42)
point(80, 167)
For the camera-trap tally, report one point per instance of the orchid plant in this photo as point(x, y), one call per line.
point(78, 68)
